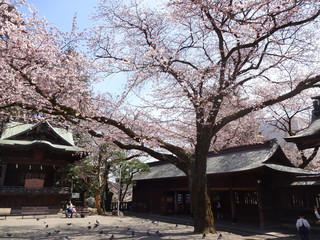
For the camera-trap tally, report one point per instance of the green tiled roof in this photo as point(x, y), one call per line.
point(42, 142)
point(14, 129)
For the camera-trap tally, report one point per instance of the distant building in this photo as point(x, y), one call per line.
point(270, 131)
point(310, 137)
point(252, 183)
point(32, 159)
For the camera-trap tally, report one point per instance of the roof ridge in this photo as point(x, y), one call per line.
point(269, 144)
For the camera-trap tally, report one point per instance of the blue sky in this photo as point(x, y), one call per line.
point(61, 12)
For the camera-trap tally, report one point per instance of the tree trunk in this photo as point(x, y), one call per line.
point(109, 196)
point(98, 202)
point(124, 194)
point(200, 199)
point(201, 205)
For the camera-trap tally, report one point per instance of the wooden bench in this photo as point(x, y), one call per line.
point(34, 211)
point(4, 212)
point(82, 211)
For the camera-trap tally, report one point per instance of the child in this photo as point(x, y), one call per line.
point(303, 227)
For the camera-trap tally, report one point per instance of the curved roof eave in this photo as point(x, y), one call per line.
point(41, 142)
point(293, 170)
point(14, 128)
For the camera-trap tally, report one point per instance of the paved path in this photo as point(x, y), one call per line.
point(58, 227)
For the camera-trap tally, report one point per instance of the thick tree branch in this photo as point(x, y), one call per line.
point(307, 160)
point(303, 85)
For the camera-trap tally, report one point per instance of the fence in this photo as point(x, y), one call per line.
point(124, 206)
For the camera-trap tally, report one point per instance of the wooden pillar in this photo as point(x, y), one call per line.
point(233, 206)
point(3, 174)
point(175, 203)
point(262, 219)
point(232, 201)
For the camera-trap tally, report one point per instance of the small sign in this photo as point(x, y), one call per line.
point(75, 195)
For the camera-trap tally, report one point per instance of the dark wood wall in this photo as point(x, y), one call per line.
point(264, 196)
point(17, 173)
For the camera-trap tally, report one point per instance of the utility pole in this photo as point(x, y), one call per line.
point(119, 193)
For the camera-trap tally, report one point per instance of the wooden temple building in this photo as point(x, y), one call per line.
point(32, 162)
point(252, 183)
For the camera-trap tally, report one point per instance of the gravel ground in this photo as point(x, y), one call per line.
point(112, 227)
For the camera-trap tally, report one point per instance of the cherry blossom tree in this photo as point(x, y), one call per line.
point(39, 64)
point(197, 67)
point(195, 70)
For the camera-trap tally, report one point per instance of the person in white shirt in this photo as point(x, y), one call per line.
point(317, 215)
point(69, 209)
point(303, 227)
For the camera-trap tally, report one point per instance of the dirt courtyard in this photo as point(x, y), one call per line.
point(110, 227)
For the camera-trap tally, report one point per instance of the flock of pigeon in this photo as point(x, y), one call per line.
point(110, 232)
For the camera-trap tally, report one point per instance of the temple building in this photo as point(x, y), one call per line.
point(33, 158)
point(255, 183)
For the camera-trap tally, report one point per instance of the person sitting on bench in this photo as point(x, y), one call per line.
point(69, 209)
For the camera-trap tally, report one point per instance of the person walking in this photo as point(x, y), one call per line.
point(303, 227)
point(219, 210)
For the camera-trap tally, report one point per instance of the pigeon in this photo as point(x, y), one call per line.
point(89, 227)
point(96, 225)
point(97, 221)
point(100, 232)
point(57, 231)
point(69, 224)
point(112, 237)
point(176, 225)
point(10, 234)
point(49, 234)
point(203, 235)
point(220, 236)
point(47, 226)
point(128, 228)
point(37, 219)
point(67, 237)
point(159, 234)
